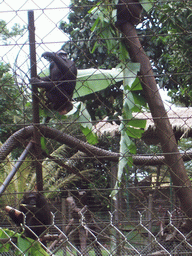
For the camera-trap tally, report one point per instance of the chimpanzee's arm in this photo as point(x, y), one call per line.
point(45, 78)
point(46, 84)
point(64, 65)
point(27, 207)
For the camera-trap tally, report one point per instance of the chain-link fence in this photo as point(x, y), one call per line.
point(95, 127)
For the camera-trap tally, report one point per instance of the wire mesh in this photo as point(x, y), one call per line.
point(108, 186)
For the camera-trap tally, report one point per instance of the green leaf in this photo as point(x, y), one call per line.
point(43, 144)
point(95, 24)
point(139, 100)
point(94, 80)
point(86, 126)
point(5, 233)
point(84, 117)
point(30, 247)
point(147, 6)
point(25, 245)
point(37, 250)
point(90, 136)
point(129, 102)
point(136, 85)
point(141, 123)
point(130, 74)
point(123, 53)
point(134, 133)
point(94, 47)
point(125, 159)
point(127, 146)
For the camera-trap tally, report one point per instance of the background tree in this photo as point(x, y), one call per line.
point(170, 48)
point(10, 99)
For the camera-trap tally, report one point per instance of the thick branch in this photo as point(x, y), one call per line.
point(164, 130)
point(26, 134)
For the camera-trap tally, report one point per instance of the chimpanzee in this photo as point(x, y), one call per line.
point(36, 209)
point(128, 11)
point(60, 83)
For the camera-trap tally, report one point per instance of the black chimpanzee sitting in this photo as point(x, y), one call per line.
point(37, 213)
point(61, 82)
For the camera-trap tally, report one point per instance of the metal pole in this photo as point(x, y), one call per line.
point(35, 102)
point(16, 167)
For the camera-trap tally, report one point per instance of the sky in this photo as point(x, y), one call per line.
point(48, 14)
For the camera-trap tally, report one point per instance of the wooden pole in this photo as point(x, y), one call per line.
point(35, 103)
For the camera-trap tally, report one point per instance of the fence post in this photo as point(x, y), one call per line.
point(35, 102)
point(150, 209)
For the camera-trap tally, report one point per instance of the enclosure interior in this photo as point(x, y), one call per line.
point(100, 166)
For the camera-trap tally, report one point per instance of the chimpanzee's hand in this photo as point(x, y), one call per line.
point(49, 55)
point(34, 80)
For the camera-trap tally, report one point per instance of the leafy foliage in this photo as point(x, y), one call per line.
point(9, 99)
point(5, 33)
point(27, 245)
point(171, 50)
point(9, 94)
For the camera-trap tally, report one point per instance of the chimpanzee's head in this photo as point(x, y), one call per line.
point(30, 198)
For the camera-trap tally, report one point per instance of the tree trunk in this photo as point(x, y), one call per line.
point(167, 139)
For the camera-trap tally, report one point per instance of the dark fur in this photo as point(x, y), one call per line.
point(37, 212)
point(61, 82)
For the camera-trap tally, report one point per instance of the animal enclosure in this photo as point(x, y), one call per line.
point(95, 128)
